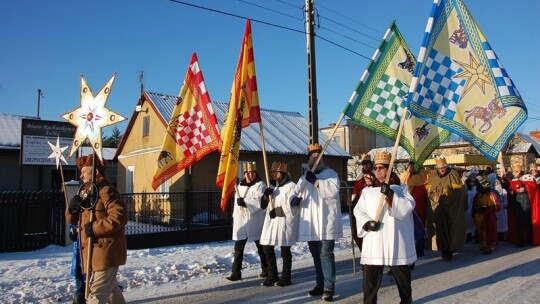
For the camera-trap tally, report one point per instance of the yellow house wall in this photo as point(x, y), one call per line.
point(142, 153)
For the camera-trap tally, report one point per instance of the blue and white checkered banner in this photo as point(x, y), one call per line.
point(380, 99)
point(460, 84)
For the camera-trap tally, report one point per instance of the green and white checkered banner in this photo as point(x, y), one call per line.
point(379, 100)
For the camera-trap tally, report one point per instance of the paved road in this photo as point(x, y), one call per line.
point(508, 275)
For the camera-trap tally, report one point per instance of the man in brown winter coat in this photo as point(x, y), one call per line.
point(107, 230)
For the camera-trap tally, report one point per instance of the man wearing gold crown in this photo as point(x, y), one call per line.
point(388, 241)
point(446, 217)
point(280, 225)
point(367, 168)
point(248, 219)
point(106, 230)
point(317, 197)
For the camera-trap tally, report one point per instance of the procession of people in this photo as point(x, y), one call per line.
point(440, 210)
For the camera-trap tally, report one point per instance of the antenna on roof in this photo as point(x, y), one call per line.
point(141, 81)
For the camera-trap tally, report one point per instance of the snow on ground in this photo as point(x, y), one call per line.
point(42, 276)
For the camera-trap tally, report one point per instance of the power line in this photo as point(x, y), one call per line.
point(237, 16)
point(286, 3)
point(352, 39)
point(353, 20)
point(271, 10)
point(267, 23)
point(352, 29)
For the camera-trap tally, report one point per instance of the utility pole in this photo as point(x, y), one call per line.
point(312, 71)
point(39, 95)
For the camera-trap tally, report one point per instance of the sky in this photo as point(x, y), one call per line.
point(47, 45)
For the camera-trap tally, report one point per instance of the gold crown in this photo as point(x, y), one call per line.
point(365, 157)
point(279, 167)
point(249, 166)
point(314, 148)
point(517, 167)
point(484, 182)
point(382, 157)
point(440, 161)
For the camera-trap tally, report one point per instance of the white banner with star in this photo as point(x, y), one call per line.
point(460, 84)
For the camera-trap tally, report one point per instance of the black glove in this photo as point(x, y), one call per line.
point(73, 234)
point(372, 226)
point(240, 202)
point(277, 212)
point(268, 191)
point(386, 190)
point(89, 231)
point(295, 201)
point(311, 177)
point(75, 204)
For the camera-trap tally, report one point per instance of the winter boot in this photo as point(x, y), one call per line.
point(284, 281)
point(316, 291)
point(234, 277)
point(327, 296)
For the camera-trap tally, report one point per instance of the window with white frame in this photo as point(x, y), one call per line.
point(130, 179)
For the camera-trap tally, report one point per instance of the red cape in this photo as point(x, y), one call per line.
point(534, 196)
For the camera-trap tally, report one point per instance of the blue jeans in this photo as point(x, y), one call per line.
point(325, 264)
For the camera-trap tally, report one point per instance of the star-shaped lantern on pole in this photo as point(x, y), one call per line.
point(91, 116)
point(57, 152)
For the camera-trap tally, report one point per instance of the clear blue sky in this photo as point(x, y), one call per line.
point(47, 44)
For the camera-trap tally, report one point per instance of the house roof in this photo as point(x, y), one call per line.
point(10, 137)
point(529, 144)
point(284, 132)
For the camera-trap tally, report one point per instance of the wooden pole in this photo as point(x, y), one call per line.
point(90, 245)
point(351, 223)
point(391, 165)
point(63, 183)
point(265, 162)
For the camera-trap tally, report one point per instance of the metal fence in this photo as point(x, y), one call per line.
point(30, 220)
point(33, 220)
point(174, 211)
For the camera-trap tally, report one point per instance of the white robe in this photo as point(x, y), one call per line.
point(248, 221)
point(502, 214)
point(281, 231)
point(320, 208)
point(393, 244)
point(470, 227)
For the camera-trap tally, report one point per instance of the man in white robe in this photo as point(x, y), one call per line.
point(248, 219)
point(388, 241)
point(280, 225)
point(317, 197)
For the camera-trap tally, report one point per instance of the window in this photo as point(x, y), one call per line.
point(146, 126)
point(165, 189)
point(130, 179)
point(337, 139)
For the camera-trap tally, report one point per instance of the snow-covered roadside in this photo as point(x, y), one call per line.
point(42, 276)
